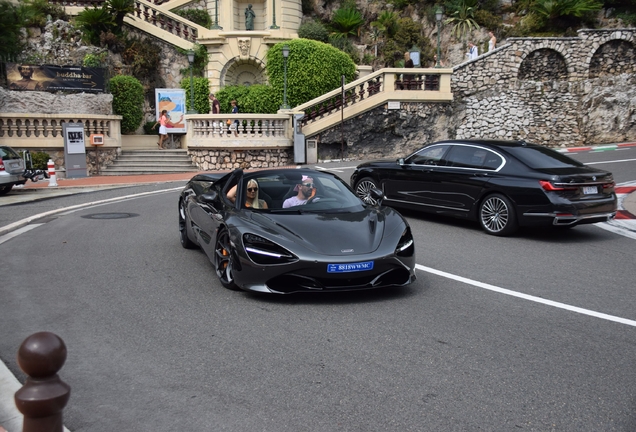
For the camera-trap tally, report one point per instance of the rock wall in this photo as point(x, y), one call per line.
point(247, 159)
point(558, 92)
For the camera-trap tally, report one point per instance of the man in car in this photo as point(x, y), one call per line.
point(305, 190)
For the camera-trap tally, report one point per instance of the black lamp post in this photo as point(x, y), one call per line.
point(216, 25)
point(191, 61)
point(284, 106)
point(438, 17)
point(274, 26)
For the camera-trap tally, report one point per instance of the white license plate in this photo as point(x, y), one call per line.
point(350, 267)
point(15, 164)
point(587, 190)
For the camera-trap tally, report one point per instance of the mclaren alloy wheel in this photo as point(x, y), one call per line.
point(183, 228)
point(223, 260)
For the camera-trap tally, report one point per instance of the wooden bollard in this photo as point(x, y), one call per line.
point(44, 395)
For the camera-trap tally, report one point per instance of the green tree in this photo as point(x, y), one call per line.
point(197, 16)
point(313, 69)
point(128, 101)
point(387, 23)
point(10, 24)
point(93, 22)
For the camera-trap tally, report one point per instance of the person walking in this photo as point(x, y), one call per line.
point(472, 51)
point(234, 126)
point(492, 43)
point(163, 129)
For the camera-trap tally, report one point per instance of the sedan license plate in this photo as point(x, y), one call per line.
point(587, 190)
point(350, 267)
point(15, 164)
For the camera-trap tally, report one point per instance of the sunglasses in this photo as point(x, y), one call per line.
point(308, 184)
point(252, 189)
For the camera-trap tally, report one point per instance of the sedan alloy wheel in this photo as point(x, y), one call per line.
point(363, 190)
point(497, 216)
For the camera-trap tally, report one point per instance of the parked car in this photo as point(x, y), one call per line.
point(500, 184)
point(11, 169)
point(331, 242)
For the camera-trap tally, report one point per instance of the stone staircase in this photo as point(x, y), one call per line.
point(139, 161)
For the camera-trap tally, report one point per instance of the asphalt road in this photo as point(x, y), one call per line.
point(538, 335)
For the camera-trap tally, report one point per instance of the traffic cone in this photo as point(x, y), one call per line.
point(52, 178)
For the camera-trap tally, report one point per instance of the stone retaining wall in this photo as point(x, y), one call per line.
point(210, 160)
point(557, 92)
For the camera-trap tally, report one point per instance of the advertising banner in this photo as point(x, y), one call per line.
point(173, 101)
point(54, 78)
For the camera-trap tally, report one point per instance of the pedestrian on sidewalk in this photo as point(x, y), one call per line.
point(163, 130)
point(234, 126)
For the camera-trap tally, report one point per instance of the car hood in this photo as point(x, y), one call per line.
point(328, 234)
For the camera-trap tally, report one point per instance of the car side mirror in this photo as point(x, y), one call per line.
point(400, 161)
point(377, 195)
point(210, 197)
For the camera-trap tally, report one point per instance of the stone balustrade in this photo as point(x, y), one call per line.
point(44, 131)
point(260, 140)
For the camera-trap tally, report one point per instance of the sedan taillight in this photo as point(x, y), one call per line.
point(1, 165)
point(548, 186)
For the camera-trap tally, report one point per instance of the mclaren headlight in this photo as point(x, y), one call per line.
point(265, 252)
point(406, 246)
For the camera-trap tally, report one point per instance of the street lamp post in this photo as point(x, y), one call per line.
point(284, 106)
point(216, 25)
point(274, 26)
point(191, 61)
point(438, 18)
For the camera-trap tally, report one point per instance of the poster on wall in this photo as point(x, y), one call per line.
point(54, 78)
point(173, 101)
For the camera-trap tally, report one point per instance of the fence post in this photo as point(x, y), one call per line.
point(44, 395)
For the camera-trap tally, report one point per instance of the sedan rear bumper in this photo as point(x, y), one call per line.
point(561, 219)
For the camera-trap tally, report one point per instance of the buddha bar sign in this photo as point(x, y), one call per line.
point(54, 78)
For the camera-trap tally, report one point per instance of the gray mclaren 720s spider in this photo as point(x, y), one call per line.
point(294, 230)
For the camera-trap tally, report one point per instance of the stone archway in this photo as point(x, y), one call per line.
point(544, 64)
point(613, 58)
point(245, 72)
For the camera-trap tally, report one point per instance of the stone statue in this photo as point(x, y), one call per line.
point(249, 17)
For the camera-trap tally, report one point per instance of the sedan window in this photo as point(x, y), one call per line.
point(538, 157)
point(428, 156)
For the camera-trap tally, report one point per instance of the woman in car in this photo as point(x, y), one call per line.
point(251, 200)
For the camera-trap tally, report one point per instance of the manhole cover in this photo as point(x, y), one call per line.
point(110, 215)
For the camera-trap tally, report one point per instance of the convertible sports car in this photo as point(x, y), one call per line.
point(331, 242)
point(501, 184)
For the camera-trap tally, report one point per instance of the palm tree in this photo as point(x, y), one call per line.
point(387, 23)
point(463, 20)
point(346, 22)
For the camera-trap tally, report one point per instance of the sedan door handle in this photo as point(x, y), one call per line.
point(481, 174)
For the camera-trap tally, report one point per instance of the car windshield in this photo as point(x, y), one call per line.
point(537, 157)
point(8, 153)
point(299, 191)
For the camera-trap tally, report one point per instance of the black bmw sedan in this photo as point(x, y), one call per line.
point(500, 184)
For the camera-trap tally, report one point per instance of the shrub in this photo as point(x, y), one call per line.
point(38, 159)
point(201, 93)
point(143, 57)
point(38, 11)
point(313, 69)
point(94, 60)
point(229, 93)
point(128, 101)
point(488, 20)
point(313, 30)
point(200, 61)
point(148, 130)
point(197, 16)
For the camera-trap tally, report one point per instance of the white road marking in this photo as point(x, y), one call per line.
point(527, 297)
point(17, 232)
point(338, 169)
point(607, 162)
